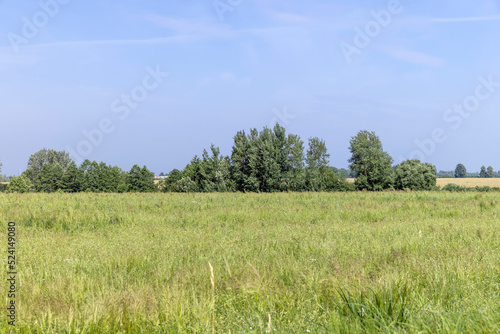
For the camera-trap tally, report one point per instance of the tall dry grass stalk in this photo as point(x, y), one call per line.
point(212, 280)
point(256, 273)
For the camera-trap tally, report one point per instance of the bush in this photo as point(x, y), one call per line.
point(20, 184)
point(185, 185)
point(415, 175)
point(333, 182)
point(453, 187)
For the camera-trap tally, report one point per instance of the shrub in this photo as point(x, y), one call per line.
point(20, 184)
point(415, 175)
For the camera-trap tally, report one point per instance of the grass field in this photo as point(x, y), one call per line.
point(389, 262)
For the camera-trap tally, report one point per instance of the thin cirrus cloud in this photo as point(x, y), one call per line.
point(157, 40)
point(415, 57)
point(466, 19)
point(185, 26)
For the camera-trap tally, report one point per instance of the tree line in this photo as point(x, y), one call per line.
point(269, 160)
point(53, 171)
point(461, 172)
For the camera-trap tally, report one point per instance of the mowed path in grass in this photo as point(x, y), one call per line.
point(408, 262)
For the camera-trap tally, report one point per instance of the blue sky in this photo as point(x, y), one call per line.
point(425, 76)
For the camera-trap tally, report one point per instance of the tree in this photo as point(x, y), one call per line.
point(490, 172)
point(72, 178)
point(460, 171)
point(334, 182)
point(317, 163)
point(174, 176)
point(20, 184)
point(192, 171)
point(50, 178)
point(141, 180)
point(369, 163)
point(44, 157)
point(268, 161)
point(215, 172)
point(256, 162)
point(186, 185)
point(482, 173)
point(342, 172)
point(294, 172)
point(2, 177)
point(91, 176)
point(240, 160)
point(415, 175)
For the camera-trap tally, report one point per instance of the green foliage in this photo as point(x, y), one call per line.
point(3, 178)
point(50, 178)
point(20, 184)
point(186, 185)
point(460, 171)
point(169, 183)
point(489, 172)
point(192, 171)
point(141, 180)
point(99, 177)
point(72, 178)
point(215, 173)
point(317, 164)
point(293, 175)
point(482, 173)
point(370, 164)
point(415, 175)
point(268, 161)
point(46, 157)
point(342, 172)
point(453, 187)
point(333, 182)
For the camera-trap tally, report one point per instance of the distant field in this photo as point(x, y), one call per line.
point(358, 262)
point(468, 182)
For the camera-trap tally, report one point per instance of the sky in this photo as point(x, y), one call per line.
point(155, 82)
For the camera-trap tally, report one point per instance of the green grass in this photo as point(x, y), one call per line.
point(390, 262)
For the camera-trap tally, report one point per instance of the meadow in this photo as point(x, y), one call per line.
point(358, 262)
